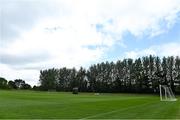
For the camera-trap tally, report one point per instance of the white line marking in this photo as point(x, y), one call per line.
point(114, 111)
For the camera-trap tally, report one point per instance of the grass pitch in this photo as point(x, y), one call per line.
point(58, 105)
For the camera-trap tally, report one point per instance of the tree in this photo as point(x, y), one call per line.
point(19, 83)
point(73, 80)
point(81, 79)
point(48, 79)
point(3, 83)
point(171, 72)
point(138, 74)
point(129, 73)
point(146, 80)
point(119, 77)
point(157, 75)
point(93, 83)
point(66, 79)
point(177, 74)
point(12, 85)
point(26, 86)
point(36, 87)
point(164, 72)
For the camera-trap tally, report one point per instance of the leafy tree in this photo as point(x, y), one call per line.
point(177, 74)
point(12, 85)
point(138, 74)
point(171, 72)
point(164, 71)
point(157, 76)
point(127, 75)
point(48, 79)
point(145, 78)
point(65, 79)
point(19, 83)
point(81, 79)
point(26, 86)
point(3, 83)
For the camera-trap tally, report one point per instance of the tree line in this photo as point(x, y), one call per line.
point(16, 84)
point(142, 75)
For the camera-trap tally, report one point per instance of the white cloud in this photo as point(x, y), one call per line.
point(30, 76)
point(66, 35)
point(167, 49)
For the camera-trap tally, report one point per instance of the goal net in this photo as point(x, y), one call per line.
point(166, 93)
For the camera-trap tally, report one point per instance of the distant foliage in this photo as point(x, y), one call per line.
point(16, 84)
point(48, 79)
point(3, 83)
point(142, 75)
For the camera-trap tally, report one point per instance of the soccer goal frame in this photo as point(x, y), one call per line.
point(166, 93)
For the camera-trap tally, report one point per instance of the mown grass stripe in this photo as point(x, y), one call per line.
point(114, 111)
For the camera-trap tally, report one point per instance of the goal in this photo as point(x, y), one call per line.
point(166, 93)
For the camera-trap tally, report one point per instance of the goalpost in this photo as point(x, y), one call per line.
point(166, 93)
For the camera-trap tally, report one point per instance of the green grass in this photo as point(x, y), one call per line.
point(39, 105)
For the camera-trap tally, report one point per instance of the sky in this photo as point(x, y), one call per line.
point(42, 34)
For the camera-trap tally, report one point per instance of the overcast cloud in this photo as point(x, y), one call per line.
point(40, 34)
point(18, 16)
